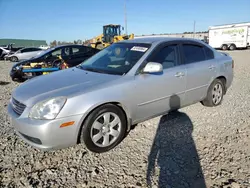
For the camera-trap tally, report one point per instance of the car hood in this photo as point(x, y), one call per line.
point(62, 83)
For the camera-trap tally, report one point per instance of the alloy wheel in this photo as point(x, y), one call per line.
point(217, 93)
point(106, 129)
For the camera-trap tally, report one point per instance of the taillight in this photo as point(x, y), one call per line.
point(232, 63)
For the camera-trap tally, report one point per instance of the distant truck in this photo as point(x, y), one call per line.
point(44, 47)
point(230, 37)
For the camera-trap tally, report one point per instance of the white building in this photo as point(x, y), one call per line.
point(201, 36)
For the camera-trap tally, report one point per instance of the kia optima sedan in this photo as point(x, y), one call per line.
point(126, 83)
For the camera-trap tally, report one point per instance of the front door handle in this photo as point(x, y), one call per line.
point(179, 74)
point(211, 67)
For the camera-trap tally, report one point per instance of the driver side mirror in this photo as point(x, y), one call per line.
point(152, 67)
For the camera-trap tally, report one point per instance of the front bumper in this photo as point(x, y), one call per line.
point(46, 134)
point(7, 58)
point(15, 73)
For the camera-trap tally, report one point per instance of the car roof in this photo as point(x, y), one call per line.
point(29, 48)
point(151, 40)
point(69, 45)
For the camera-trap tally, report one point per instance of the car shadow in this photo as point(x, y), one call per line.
point(174, 152)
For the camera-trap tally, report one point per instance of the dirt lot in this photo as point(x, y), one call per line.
point(194, 147)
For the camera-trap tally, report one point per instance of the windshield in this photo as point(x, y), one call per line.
point(118, 58)
point(18, 51)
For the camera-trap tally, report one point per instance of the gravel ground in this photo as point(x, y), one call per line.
point(190, 148)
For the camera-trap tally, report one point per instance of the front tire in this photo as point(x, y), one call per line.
point(14, 59)
point(104, 128)
point(215, 94)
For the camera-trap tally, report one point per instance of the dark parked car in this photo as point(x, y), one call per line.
point(71, 55)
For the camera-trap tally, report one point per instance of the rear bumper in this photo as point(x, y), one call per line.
point(229, 82)
point(229, 78)
point(46, 134)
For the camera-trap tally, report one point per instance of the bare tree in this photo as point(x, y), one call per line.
point(53, 43)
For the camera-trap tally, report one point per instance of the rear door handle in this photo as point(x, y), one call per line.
point(211, 67)
point(179, 74)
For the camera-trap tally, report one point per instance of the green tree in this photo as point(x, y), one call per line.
point(79, 41)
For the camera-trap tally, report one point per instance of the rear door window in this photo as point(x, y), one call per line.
point(75, 50)
point(209, 53)
point(25, 50)
point(193, 53)
point(30, 50)
point(80, 50)
point(35, 49)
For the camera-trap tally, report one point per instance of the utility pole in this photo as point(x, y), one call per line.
point(125, 17)
point(194, 29)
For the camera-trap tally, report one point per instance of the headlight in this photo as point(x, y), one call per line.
point(47, 109)
point(17, 67)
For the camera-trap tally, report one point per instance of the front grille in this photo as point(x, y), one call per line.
point(17, 106)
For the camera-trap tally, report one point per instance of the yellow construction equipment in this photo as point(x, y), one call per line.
point(111, 34)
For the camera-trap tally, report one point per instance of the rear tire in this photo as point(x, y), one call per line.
point(14, 59)
point(232, 47)
point(215, 94)
point(104, 128)
point(224, 47)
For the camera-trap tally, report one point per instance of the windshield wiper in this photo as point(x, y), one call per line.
point(92, 69)
point(98, 70)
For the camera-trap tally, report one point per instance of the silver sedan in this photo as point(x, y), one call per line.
point(24, 53)
point(126, 83)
